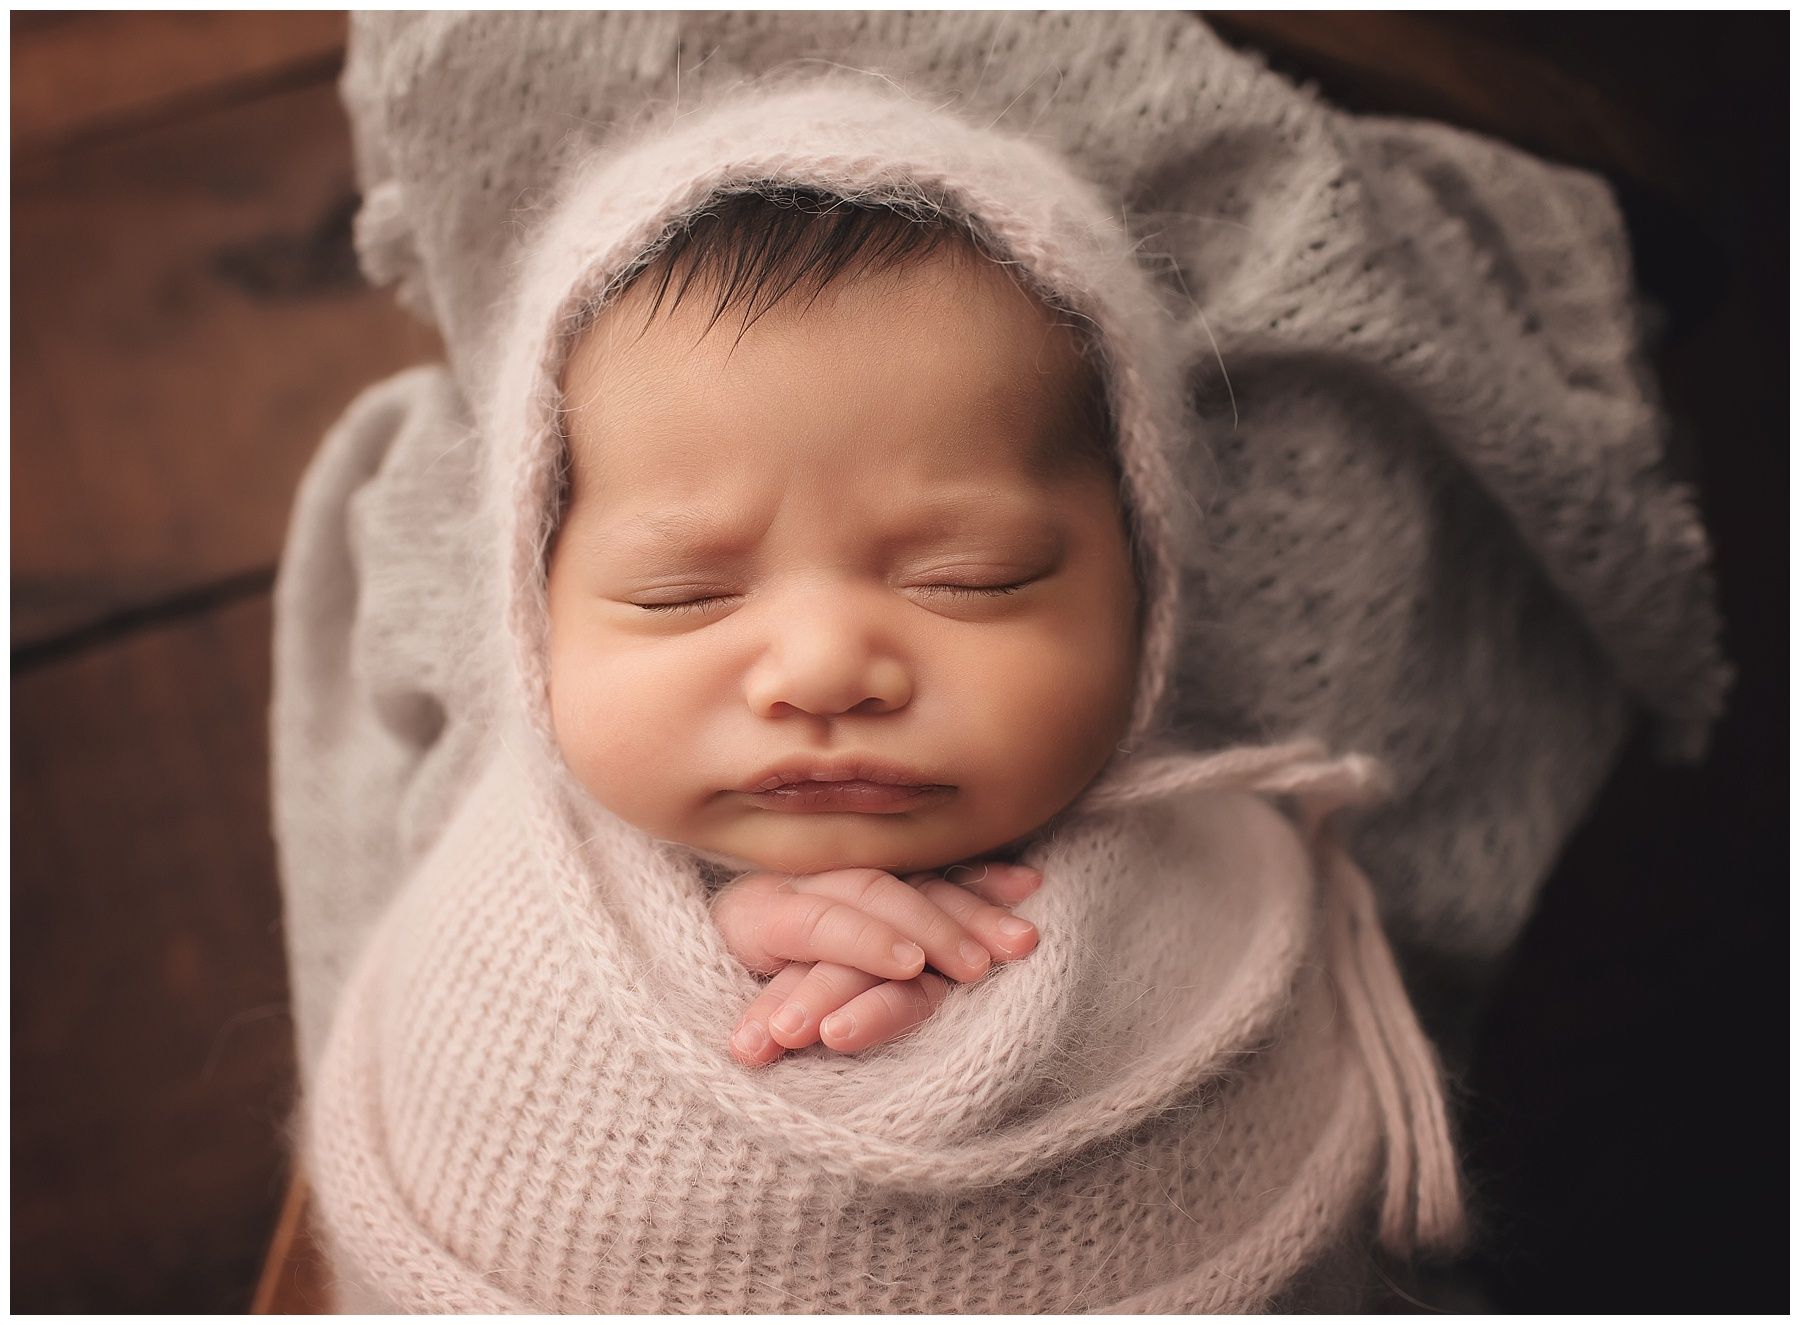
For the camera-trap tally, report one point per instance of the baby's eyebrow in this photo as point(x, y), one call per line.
point(693, 530)
point(704, 532)
point(672, 526)
point(999, 509)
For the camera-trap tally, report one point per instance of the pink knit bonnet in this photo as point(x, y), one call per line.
point(868, 144)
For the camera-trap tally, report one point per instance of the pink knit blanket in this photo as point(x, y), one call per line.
point(1181, 1102)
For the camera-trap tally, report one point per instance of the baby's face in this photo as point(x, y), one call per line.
point(776, 556)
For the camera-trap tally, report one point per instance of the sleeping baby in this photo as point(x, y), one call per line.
point(846, 526)
point(823, 921)
point(804, 749)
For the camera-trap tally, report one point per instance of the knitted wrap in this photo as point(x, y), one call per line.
point(1178, 1103)
point(1390, 462)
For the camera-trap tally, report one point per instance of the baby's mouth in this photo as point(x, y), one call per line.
point(854, 797)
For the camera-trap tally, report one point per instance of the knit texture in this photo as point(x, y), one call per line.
point(1421, 516)
point(1436, 525)
point(525, 1104)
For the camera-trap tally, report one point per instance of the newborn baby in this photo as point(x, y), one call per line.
point(841, 589)
point(1137, 405)
point(826, 522)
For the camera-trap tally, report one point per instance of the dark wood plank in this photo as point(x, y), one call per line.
point(152, 1048)
point(77, 74)
point(188, 319)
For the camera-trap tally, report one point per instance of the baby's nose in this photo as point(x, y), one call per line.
point(826, 673)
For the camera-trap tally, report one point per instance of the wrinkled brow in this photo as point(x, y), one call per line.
point(699, 531)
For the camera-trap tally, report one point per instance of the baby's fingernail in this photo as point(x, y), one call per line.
point(909, 955)
point(751, 1040)
point(790, 1021)
point(839, 1026)
point(1015, 928)
point(1033, 878)
point(974, 954)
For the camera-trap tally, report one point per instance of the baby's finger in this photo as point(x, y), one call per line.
point(826, 988)
point(996, 882)
point(881, 896)
point(810, 927)
point(890, 1009)
point(751, 1043)
point(1006, 935)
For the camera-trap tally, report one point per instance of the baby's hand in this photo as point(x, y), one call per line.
point(854, 943)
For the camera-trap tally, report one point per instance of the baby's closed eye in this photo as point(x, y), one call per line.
point(967, 589)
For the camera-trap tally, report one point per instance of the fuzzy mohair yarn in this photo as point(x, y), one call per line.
point(1393, 459)
point(1186, 1101)
point(1437, 525)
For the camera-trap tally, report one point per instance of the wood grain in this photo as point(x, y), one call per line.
point(78, 75)
point(188, 319)
point(152, 1049)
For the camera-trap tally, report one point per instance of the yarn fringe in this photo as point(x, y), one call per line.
point(1422, 1206)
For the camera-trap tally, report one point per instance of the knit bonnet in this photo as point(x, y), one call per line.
point(872, 145)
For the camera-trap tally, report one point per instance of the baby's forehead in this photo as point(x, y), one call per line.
point(943, 360)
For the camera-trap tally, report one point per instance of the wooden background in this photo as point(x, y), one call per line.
point(188, 319)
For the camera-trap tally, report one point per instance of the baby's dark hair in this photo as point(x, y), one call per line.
point(756, 247)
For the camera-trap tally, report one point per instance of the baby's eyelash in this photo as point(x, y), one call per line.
point(692, 605)
point(961, 590)
point(967, 590)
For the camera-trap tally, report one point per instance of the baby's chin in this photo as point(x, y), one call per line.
point(813, 846)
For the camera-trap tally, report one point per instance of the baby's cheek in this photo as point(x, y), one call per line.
point(595, 743)
point(1066, 714)
point(623, 722)
point(1067, 684)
